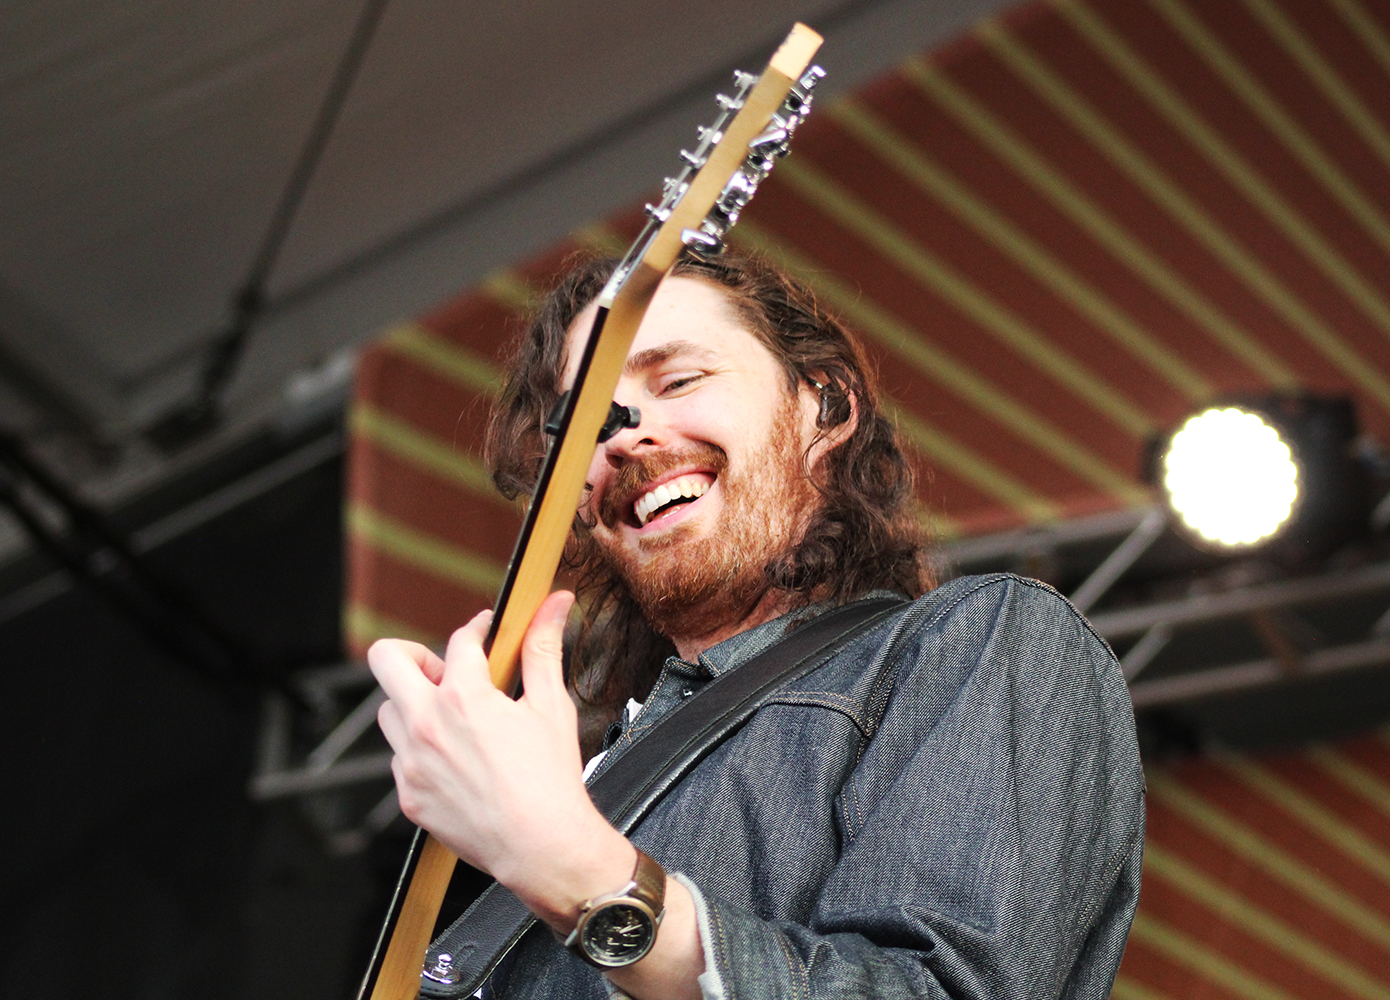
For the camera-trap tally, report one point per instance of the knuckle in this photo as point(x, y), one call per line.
point(410, 776)
point(454, 701)
point(422, 731)
point(410, 805)
point(546, 641)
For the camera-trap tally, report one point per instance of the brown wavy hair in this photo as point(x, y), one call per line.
point(866, 536)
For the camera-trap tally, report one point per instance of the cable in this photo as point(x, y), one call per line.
point(227, 348)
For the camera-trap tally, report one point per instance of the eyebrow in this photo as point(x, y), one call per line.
point(654, 356)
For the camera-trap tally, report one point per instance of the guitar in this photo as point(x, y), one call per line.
point(717, 179)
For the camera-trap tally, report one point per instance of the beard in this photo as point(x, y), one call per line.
point(690, 586)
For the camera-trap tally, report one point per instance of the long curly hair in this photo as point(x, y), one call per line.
point(867, 534)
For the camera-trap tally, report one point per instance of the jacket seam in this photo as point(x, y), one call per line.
point(888, 674)
point(824, 699)
point(635, 726)
point(721, 949)
point(1117, 863)
point(1039, 585)
point(789, 958)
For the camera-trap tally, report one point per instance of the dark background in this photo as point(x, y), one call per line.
point(136, 865)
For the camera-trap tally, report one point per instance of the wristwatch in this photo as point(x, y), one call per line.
point(619, 928)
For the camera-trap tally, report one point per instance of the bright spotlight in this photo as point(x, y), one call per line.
point(1230, 477)
point(1284, 474)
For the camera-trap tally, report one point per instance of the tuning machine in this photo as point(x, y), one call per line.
point(703, 243)
point(709, 136)
point(764, 151)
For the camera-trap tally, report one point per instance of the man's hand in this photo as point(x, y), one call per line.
point(498, 781)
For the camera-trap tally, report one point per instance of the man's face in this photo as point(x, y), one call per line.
point(691, 506)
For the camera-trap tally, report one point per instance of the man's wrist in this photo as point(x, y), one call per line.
point(557, 886)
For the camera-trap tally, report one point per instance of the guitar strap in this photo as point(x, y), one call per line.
point(636, 781)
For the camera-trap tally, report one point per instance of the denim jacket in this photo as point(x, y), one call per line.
point(953, 806)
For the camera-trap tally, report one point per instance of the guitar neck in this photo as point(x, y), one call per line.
point(560, 485)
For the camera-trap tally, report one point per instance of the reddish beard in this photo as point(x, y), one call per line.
point(689, 586)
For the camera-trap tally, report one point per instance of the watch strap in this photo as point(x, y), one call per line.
point(649, 882)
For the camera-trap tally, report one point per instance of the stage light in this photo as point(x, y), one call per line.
point(1230, 477)
point(1283, 473)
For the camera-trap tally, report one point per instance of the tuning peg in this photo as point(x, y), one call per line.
point(701, 242)
point(798, 100)
point(773, 137)
point(694, 159)
point(737, 193)
point(728, 103)
point(744, 80)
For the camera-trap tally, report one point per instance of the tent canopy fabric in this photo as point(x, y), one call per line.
point(148, 144)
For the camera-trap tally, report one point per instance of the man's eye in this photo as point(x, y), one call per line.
point(680, 382)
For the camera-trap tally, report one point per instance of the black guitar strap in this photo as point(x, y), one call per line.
point(637, 780)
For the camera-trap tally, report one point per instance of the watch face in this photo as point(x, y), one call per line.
point(617, 934)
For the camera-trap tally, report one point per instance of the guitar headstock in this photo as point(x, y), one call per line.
point(735, 152)
point(764, 151)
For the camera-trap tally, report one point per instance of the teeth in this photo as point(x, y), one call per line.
point(685, 486)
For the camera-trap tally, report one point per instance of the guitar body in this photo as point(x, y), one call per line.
point(735, 153)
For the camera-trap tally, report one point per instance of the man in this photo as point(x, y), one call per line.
point(951, 806)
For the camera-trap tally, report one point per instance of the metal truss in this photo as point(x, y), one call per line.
point(1158, 623)
point(332, 759)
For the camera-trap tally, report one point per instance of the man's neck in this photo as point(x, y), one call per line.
point(773, 604)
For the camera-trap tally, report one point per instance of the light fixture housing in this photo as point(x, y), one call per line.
point(1278, 474)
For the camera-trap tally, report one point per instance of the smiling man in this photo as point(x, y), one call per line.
point(703, 468)
point(951, 805)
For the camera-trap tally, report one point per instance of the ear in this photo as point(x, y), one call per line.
point(834, 412)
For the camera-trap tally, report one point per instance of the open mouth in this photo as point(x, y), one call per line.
point(669, 497)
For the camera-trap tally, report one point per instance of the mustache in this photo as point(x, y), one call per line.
point(636, 472)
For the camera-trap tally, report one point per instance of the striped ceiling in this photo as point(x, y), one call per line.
point(1266, 879)
point(1058, 235)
